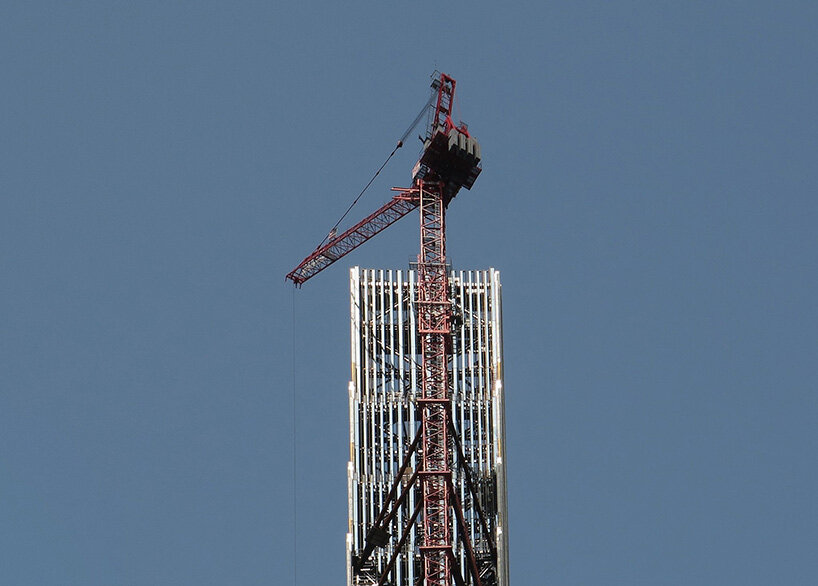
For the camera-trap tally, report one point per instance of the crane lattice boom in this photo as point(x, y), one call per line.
point(343, 244)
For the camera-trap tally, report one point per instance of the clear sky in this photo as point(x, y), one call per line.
point(648, 194)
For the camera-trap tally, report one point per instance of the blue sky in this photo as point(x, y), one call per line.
point(648, 195)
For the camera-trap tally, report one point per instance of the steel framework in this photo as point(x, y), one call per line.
point(352, 238)
point(391, 396)
point(435, 403)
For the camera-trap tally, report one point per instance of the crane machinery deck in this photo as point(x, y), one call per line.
point(449, 161)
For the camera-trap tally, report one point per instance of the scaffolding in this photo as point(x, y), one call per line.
point(384, 421)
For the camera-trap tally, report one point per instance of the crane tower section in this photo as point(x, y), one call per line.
point(394, 477)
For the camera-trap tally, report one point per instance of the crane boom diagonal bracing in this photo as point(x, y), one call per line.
point(343, 244)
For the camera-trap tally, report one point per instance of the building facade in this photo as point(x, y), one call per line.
point(383, 389)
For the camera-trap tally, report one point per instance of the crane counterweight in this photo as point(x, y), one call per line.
point(451, 157)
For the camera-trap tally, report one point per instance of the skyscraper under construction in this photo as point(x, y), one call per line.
point(384, 543)
point(427, 496)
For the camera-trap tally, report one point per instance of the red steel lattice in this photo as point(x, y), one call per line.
point(434, 328)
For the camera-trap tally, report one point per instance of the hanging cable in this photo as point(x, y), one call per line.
point(418, 118)
point(403, 137)
point(295, 467)
point(334, 229)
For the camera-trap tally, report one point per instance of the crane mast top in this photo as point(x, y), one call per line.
point(450, 158)
point(450, 154)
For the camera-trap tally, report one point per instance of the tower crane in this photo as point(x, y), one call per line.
point(450, 160)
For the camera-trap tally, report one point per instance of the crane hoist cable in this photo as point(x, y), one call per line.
point(403, 137)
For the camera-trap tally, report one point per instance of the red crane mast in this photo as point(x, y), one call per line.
point(449, 161)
